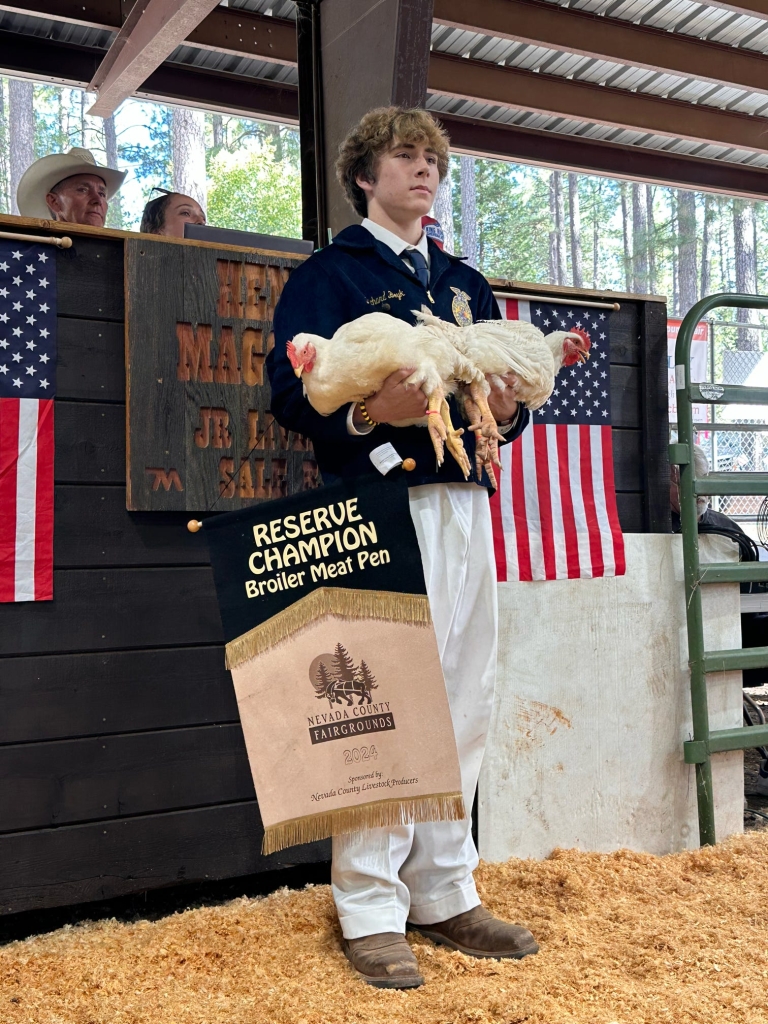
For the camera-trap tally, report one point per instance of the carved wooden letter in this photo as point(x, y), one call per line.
point(227, 370)
point(194, 352)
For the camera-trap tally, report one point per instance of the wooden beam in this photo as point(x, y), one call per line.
point(580, 32)
point(583, 101)
point(592, 156)
point(238, 32)
point(74, 65)
point(150, 33)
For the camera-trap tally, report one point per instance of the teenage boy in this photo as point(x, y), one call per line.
point(390, 166)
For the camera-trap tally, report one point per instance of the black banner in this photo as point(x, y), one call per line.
point(355, 534)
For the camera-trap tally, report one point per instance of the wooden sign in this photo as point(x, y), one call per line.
point(198, 330)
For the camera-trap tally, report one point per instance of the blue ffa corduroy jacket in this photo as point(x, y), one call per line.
point(353, 276)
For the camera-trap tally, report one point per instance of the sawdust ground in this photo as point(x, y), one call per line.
point(626, 938)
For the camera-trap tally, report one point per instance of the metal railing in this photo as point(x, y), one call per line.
point(705, 742)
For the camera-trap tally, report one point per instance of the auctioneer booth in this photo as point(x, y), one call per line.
point(121, 753)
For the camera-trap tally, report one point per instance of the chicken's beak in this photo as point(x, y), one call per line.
point(583, 356)
point(298, 370)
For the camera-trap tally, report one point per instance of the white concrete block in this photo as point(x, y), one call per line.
point(593, 705)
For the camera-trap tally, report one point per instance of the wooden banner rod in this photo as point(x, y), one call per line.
point(561, 300)
point(65, 242)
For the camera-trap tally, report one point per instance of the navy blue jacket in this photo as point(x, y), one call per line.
point(353, 276)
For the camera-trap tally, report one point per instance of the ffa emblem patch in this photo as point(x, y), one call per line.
point(462, 314)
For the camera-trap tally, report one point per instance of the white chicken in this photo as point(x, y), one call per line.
point(355, 362)
point(498, 347)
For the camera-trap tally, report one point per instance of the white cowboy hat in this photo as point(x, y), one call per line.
point(40, 177)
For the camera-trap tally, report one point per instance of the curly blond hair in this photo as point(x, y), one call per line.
point(376, 133)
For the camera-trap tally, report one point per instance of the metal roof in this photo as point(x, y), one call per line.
point(686, 17)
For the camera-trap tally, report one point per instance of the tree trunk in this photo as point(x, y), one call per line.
point(83, 125)
point(746, 275)
point(21, 118)
point(558, 271)
point(625, 232)
point(188, 153)
point(115, 212)
point(706, 259)
point(574, 211)
point(675, 259)
point(4, 183)
point(639, 239)
point(444, 209)
point(686, 226)
point(724, 281)
point(469, 210)
point(651, 236)
point(596, 194)
point(217, 123)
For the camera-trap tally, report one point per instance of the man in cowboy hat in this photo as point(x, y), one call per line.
point(69, 187)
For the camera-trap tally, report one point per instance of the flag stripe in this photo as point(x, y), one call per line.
point(566, 501)
point(9, 447)
point(44, 504)
point(26, 500)
point(519, 510)
point(549, 566)
point(590, 511)
point(618, 537)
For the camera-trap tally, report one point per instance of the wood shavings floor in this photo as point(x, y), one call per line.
point(626, 938)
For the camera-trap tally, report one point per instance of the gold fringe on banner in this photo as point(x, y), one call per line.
point(379, 814)
point(384, 605)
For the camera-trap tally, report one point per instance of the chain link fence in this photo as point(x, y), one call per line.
point(736, 355)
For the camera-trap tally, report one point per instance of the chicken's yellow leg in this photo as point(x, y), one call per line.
point(453, 440)
point(435, 424)
point(487, 425)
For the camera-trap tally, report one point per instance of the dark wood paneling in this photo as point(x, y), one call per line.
point(93, 528)
point(60, 696)
point(654, 411)
point(90, 279)
point(90, 443)
point(625, 334)
point(91, 360)
point(113, 609)
point(625, 396)
point(71, 781)
point(628, 460)
point(630, 509)
point(83, 863)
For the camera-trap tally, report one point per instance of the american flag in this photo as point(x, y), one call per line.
point(554, 514)
point(27, 385)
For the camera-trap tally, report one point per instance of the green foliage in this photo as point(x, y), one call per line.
point(254, 191)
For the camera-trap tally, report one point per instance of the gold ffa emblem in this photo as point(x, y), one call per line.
point(462, 314)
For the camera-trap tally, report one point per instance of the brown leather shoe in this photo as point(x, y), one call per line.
point(384, 960)
point(477, 932)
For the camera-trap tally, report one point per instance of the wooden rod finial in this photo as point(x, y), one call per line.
point(65, 242)
point(194, 525)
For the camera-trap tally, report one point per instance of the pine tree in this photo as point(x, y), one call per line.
point(323, 677)
point(625, 236)
point(367, 678)
point(639, 239)
point(21, 117)
point(444, 210)
point(188, 146)
point(343, 665)
point(469, 211)
point(574, 211)
point(651, 235)
point(686, 226)
point(746, 274)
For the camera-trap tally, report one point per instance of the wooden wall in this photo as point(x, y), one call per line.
point(121, 754)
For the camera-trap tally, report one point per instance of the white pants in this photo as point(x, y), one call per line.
point(423, 873)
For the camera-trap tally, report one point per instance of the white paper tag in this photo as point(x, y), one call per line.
point(679, 377)
point(385, 458)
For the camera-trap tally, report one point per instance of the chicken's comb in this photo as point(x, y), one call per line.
point(581, 333)
point(290, 348)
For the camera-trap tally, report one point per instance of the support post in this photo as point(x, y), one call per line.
point(375, 54)
point(313, 217)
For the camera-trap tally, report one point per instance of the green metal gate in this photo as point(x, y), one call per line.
point(706, 742)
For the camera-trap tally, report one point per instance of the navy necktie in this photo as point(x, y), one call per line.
point(419, 265)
